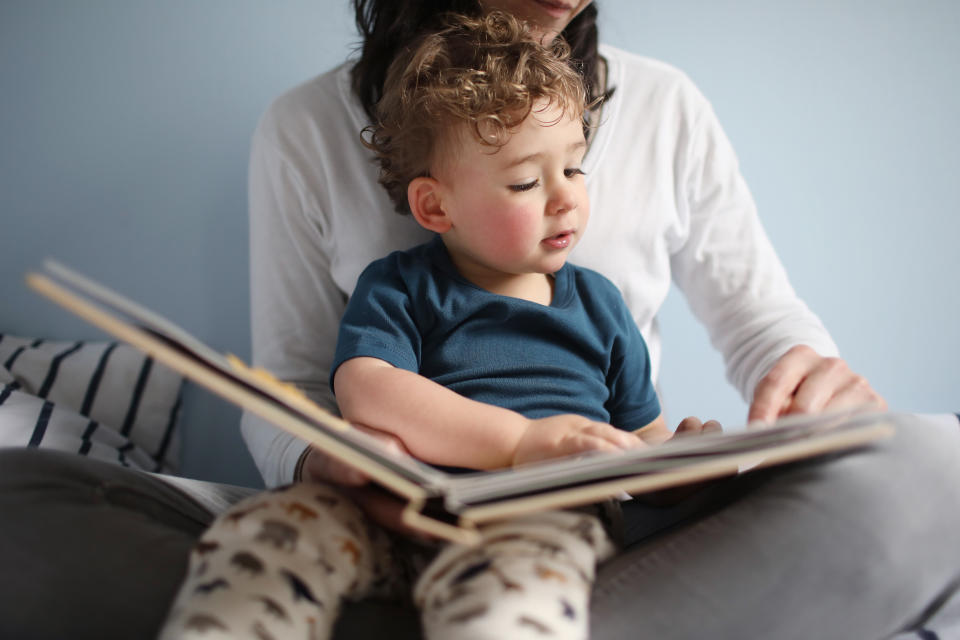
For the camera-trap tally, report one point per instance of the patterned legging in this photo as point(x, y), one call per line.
point(278, 564)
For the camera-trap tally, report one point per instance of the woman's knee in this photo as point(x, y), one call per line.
point(914, 476)
point(875, 525)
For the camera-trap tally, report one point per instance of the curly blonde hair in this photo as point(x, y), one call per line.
point(483, 72)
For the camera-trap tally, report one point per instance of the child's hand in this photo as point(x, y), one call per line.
point(568, 434)
point(693, 426)
point(657, 431)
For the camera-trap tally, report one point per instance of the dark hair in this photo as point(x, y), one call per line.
point(386, 26)
point(485, 75)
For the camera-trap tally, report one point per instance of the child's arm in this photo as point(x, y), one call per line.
point(655, 432)
point(442, 427)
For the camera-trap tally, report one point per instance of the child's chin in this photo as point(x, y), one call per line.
point(553, 265)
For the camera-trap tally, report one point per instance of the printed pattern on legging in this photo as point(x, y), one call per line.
point(278, 565)
point(530, 577)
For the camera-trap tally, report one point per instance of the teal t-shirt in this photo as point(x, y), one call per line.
point(583, 354)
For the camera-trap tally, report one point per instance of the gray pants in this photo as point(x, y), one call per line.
point(863, 545)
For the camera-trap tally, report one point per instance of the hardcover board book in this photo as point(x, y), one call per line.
point(445, 505)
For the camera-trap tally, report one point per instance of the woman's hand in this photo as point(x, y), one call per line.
point(319, 467)
point(803, 381)
point(380, 506)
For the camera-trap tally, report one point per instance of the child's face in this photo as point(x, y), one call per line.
point(521, 209)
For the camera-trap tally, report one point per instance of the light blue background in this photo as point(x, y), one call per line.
point(125, 126)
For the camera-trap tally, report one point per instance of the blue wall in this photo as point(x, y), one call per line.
point(125, 125)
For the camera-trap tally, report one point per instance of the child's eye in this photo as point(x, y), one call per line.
point(526, 186)
point(577, 171)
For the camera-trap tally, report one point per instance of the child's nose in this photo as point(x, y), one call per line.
point(562, 199)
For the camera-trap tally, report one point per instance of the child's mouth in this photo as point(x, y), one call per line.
point(559, 241)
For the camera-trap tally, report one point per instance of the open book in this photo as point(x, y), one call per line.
point(446, 505)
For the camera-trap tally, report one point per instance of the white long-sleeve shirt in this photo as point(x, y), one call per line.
point(668, 203)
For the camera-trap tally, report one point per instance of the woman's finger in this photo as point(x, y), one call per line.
point(856, 393)
point(815, 391)
point(774, 393)
point(320, 467)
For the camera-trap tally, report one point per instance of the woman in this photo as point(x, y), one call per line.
point(658, 166)
point(668, 202)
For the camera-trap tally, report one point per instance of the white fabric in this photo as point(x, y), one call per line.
point(100, 399)
point(667, 201)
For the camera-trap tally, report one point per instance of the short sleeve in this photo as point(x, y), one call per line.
point(379, 321)
point(633, 399)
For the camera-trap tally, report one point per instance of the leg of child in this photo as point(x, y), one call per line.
point(277, 565)
point(529, 578)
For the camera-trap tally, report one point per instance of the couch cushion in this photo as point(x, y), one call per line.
point(102, 399)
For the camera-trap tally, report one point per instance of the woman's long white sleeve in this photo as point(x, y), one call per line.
point(727, 268)
point(295, 306)
point(317, 217)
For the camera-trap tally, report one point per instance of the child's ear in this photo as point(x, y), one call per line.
point(423, 195)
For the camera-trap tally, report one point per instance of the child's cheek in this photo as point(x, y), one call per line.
point(516, 228)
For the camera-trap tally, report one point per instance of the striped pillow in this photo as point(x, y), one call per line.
point(102, 399)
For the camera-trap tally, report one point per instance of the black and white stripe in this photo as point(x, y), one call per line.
point(137, 396)
point(101, 399)
point(94, 385)
point(51, 376)
point(12, 358)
